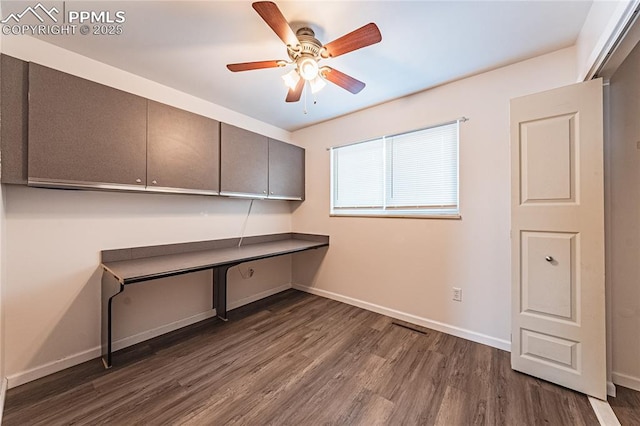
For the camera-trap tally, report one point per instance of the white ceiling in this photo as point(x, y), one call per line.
point(186, 45)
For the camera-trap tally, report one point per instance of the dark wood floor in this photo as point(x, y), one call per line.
point(626, 405)
point(298, 359)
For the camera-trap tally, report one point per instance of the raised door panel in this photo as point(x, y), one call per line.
point(244, 162)
point(549, 261)
point(548, 159)
point(84, 134)
point(286, 171)
point(15, 108)
point(183, 151)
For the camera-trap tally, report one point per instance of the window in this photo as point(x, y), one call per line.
point(410, 174)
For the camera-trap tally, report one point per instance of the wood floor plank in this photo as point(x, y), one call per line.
point(457, 408)
point(46, 411)
point(418, 405)
point(367, 409)
point(295, 358)
point(626, 406)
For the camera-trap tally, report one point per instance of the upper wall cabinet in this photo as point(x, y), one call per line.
point(84, 134)
point(183, 151)
point(63, 131)
point(286, 171)
point(252, 165)
point(244, 163)
point(14, 86)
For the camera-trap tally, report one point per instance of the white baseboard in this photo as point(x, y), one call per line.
point(163, 329)
point(51, 367)
point(3, 393)
point(604, 412)
point(611, 389)
point(66, 362)
point(424, 322)
point(626, 381)
point(255, 297)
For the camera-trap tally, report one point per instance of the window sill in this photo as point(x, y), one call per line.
point(401, 216)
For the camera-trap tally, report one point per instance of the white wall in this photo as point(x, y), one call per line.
point(407, 267)
point(53, 241)
point(624, 220)
point(31, 49)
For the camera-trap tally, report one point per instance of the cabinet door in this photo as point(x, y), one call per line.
point(286, 171)
point(84, 134)
point(243, 162)
point(15, 108)
point(183, 151)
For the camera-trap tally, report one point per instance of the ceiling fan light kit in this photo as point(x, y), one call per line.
point(308, 68)
point(317, 84)
point(291, 78)
point(305, 52)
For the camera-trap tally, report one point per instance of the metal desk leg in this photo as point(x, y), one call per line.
point(111, 287)
point(220, 291)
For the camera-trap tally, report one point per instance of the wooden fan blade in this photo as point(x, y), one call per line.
point(343, 80)
point(270, 13)
point(362, 37)
point(294, 94)
point(248, 66)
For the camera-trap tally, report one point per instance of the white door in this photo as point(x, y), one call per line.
point(557, 235)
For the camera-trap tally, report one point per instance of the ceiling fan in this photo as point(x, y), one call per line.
point(305, 52)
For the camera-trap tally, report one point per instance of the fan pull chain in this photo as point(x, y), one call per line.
point(305, 98)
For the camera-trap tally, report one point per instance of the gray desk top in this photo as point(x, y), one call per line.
point(148, 268)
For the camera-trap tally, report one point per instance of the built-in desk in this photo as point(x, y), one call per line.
point(124, 267)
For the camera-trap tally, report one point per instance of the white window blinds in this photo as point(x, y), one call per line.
point(359, 169)
point(414, 173)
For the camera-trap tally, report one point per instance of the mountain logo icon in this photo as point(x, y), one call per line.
point(38, 11)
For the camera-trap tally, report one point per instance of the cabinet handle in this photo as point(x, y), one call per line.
point(271, 192)
point(154, 182)
point(138, 180)
point(264, 192)
point(548, 259)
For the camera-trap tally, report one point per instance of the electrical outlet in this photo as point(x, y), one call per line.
point(457, 294)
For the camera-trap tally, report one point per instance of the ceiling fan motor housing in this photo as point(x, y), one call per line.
point(309, 45)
